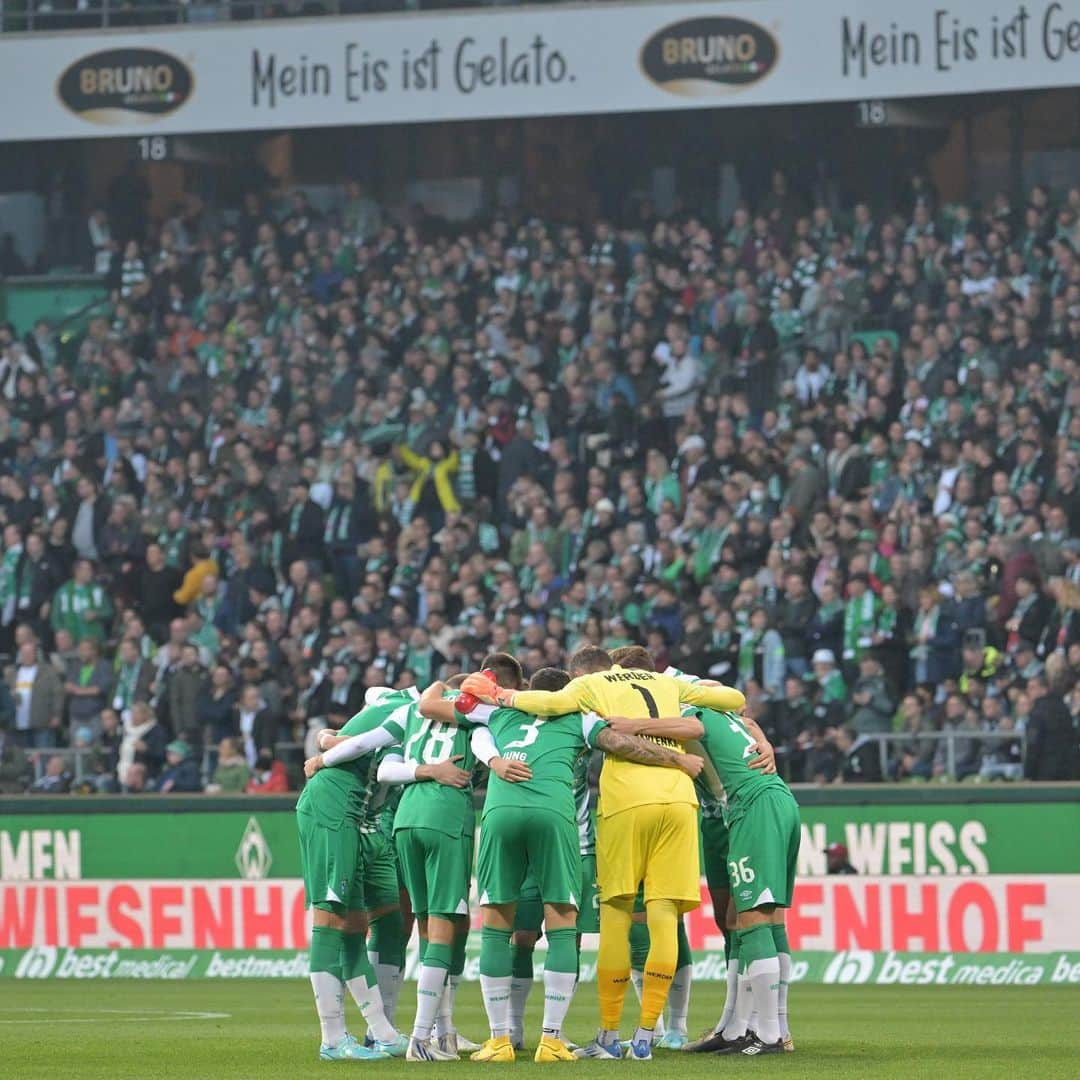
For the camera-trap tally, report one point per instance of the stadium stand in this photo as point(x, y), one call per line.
point(826, 455)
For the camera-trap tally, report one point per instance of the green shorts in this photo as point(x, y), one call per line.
point(344, 869)
point(530, 907)
point(714, 852)
point(763, 850)
point(588, 919)
point(437, 869)
point(379, 872)
point(516, 843)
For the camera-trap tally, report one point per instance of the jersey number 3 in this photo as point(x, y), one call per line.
point(529, 734)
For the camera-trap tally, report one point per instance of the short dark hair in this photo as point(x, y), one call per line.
point(589, 658)
point(507, 670)
point(634, 656)
point(455, 680)
point(549, 678)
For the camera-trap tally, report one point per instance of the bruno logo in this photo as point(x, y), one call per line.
point(708, 56)
point(118, 86)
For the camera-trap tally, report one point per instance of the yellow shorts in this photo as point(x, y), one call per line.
point(656, 844)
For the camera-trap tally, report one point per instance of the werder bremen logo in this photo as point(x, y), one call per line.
point(253, 858)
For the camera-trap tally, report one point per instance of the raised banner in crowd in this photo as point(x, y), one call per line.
point(949, 894)
point(540, 62)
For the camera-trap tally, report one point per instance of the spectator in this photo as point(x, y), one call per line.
point(836, 860)
point(270, 776)
point(39, 700)
point(181, 773)
point(255, 723)
point(56, 780)
point(87, 683)
point(873, 707)
point(232, 773)
point(143, 745)
point(82, 606)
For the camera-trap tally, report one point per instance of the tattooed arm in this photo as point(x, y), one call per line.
point(644, 752)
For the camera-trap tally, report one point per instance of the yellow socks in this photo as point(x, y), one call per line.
point(613, 959)
point(663, 921)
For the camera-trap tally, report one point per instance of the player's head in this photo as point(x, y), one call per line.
point(550, 679)
point(589, 658)
point(456, 680)
point(635, 657)
point(506, 669)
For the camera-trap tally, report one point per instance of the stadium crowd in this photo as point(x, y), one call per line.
point(828, 456)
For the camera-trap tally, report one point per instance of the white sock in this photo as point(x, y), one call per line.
point(765, 980)
point(370, 1003)
point(558, 993)
point(519, 999)
point(744, 1004)
point(444, 1022)
point(389, 979)
point(679, 999)
point(496, 992)
point(429, 992)
point(330, 1005)
point(732, 995)
point(637, 979)
point(785, 983)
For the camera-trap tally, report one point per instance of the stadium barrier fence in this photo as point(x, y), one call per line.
point(953, 885)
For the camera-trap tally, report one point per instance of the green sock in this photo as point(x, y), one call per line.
point(521, 961)
point(639, 945)
point(755, 943)
point(562, 952)
point(684, 956)
point(354, 959)
point(386, 942)
point(438, 956)
point(495, 958)
point(779, 936)
point(457, 958)
point(326, 950)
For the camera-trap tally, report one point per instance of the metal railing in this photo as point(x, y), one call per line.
point(78, 760)
point(949, 738)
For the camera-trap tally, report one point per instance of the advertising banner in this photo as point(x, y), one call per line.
point(217, 894)
point(535, 62)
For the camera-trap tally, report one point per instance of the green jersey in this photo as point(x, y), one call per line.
point(347, 792)
point(430, 742)
point(556, 749)
point(728, 745)
point(586, 823)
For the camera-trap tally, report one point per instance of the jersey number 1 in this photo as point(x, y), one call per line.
point(650, 701)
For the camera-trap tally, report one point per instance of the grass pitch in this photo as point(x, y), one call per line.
point(249, 1030)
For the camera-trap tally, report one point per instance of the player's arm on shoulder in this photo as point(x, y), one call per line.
point(664, 727)
point(721, 698)
point(350, 748)
point(574, 697)
point(643, 752)
point(766, 755)
point(435, 707)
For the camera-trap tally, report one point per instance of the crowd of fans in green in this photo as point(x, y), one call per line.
point(827, 454)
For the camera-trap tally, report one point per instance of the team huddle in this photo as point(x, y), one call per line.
point(387, 831)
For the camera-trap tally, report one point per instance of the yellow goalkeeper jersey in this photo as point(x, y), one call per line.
point(630, 692)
